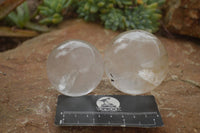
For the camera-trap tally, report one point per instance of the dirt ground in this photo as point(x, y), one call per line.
point(28, 100)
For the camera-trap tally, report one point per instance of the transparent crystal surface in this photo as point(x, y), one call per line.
point(75, 68)
point(136, 62)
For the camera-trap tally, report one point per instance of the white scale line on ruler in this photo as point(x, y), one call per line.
point(75, 113)
point(154, 121)
point(113, 113)
point(94, 122)
point(125, 124)
point(60, 121)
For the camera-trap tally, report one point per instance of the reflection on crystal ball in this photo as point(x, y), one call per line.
point(75, 68)
point(136, 62)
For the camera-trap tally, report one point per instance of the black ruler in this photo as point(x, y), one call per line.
point(108, 110)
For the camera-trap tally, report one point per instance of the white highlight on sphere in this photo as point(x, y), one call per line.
point(75, 68)
point(136, 62)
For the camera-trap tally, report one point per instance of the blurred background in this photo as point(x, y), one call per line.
point(23, 19)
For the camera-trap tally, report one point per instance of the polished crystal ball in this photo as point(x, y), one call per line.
point(136, 62)
point(75, 68)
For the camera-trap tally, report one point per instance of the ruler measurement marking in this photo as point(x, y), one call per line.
point(98, 114)
point(154, 121)
point(96, 123)
point(113, 113)
point(117, 124)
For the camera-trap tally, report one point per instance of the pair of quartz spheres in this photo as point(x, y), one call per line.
point(136, 62)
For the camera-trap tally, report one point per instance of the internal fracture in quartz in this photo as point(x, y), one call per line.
point(136, 62)
point(75, 68)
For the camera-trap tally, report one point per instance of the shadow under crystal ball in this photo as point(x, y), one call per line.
point(75, 68)
point(136, 62)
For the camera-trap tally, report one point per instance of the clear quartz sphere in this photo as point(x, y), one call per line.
point(75, 68)
point(136, 62)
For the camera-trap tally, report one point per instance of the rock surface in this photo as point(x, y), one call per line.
point(183, 17)
point(28, 100)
